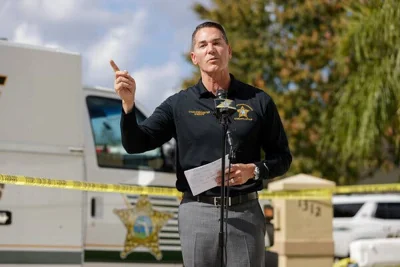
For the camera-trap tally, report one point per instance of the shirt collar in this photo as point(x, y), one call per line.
point(203, 92)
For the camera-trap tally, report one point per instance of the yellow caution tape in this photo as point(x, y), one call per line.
point(169, 191)
point(87, 186)
point(368, 188)
point(296, 194)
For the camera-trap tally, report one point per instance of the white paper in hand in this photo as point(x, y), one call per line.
point(202, 178)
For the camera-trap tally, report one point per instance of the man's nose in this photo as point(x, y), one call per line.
point(211, 49)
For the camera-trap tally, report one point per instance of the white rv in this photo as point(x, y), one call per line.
point(53, 127)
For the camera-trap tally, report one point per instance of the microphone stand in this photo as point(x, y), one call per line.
point(224, 108)
point(224, 121)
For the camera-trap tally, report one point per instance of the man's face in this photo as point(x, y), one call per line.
point(210, 52)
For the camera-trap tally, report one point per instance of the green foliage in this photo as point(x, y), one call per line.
point(331, 67)
point(305, 39)
point(364, 124)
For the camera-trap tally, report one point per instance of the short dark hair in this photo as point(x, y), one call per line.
point(209, 24)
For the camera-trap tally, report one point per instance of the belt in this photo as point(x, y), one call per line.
point(216, 201)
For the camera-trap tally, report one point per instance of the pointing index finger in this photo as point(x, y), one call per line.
point(114, 66)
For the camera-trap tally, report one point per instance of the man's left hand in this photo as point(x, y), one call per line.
point(240, 174)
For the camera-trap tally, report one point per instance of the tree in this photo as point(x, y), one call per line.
point(365, 121)
point(305, 37)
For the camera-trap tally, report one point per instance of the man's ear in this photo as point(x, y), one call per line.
point(193, 57)
point(230, 51)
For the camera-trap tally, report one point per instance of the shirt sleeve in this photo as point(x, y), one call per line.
point(150, 133)
point(274, 143)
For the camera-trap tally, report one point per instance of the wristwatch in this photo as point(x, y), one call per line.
point(256, 173)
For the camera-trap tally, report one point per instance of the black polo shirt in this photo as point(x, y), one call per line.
point(188, 116)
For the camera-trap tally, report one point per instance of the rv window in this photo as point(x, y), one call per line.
point(105, 114)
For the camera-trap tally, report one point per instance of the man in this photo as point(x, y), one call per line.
point(188, 116)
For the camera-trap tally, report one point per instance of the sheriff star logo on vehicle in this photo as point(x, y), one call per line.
point(143, 225)
point(243, 112)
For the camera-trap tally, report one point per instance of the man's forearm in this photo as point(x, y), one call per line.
point(133, 139)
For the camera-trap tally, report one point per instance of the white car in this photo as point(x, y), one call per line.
point(364, 217)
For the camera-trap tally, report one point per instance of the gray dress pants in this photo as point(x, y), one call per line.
point(199, 227)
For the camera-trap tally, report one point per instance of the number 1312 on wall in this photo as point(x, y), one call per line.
point(310, 206)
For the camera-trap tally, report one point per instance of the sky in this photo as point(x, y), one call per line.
point(148, 38)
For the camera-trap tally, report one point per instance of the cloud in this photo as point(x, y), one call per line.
point(64, 9)
point(30, 34)
point(155, 84)
point(120, 43)
point(26, 33)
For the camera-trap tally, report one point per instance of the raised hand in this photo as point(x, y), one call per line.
point(124, 86)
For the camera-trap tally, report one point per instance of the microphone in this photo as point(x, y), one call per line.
point(223, 105)
point(224, 108)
